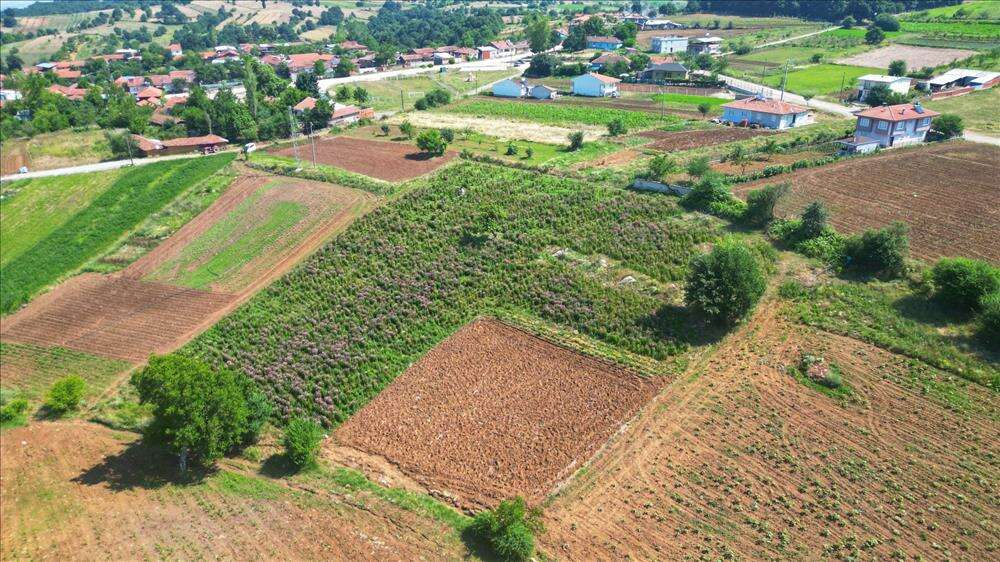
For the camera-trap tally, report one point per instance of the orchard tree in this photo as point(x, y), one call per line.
point(897, 68)
point(725, 284)
point(431, 142)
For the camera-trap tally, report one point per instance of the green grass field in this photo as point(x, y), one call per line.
point(31, 369)
point(385, 94)
point(957, 29)
point(132, 197)
point(968, 10)
point(689, 100)
point(821, 79)
point(33, 209)
point(232, 242)
point(559, 114)
point(978, 110)
point(542, 153)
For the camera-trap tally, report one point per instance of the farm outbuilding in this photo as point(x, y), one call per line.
point(669, 44)
point(154, 147)
point(543, 92)
point(897, 84)
point(595, 85)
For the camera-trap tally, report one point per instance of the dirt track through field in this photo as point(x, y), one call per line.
point(947, 193)
point(383, 160)
point(127, 316)
point(77, 491)
point(737, 460)
point(494, 412)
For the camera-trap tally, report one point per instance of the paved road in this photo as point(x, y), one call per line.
point(981, 138)
point(493, 64)
point(100, 166)
point(754, 88)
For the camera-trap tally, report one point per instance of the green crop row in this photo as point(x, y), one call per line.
point(326, 338)
point(120, 208)
point(560, 114)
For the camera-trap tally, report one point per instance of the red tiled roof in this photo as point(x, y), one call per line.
point(70, 63)
point(272, 60)
point(345, 111)
point(307, 60)
point(195, 141)
point(352, 45)
point(188, 75)
point(149, 92)
point(131, 81)
point(67, 73)
point(305, 104)
point(603, 78)
point(176, 100)
point(609, 58)
point(70, 92)
point(149, 102)
point(775, 107)
point(159, 79)
point(174, 47)
point(423, 51)
point(901, 112)
point(502, 45)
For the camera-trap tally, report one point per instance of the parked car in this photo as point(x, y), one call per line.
point(249, 147)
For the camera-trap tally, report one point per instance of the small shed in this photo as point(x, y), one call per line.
point(543, 92)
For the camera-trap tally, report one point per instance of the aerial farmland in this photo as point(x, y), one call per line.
point(592, 280)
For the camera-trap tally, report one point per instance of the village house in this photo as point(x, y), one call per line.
point(425, 53)
point(669, 44)
point(767, 113)
point(154, 147)
point(128, 54)
point(443, 58)
point(504, 48)
point(353, 46)
point(67, 74)
point(543, 92)
point(708, 45)
point(510, 88)
point(411, 60)
point(175, 50)
point(595, 85)
point(487, 53)
point(638, 19)
point(656, 24)
point(347, 114)
point(70, 92)
point(663, 72)
point(897, 84)
point(606, 59)
point(303, 106)
point(131, 83)
point(150, 95)
point(306, 62)
point(603, 43)
point(889, 126)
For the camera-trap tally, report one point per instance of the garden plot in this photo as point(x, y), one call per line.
point(503, 128)
point(915, 57)
point(685, 140)
point(494, 412)
point(382, 160)
point(946, 193)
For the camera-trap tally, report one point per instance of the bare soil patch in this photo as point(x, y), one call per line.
point(383, 160)
point(75, 491)
point(15, 155)
point(684, 140)
point(915, 57)
point(494, 412)
point(738, 460)
point(945, 192)
point(502, 128)
point(114, 316)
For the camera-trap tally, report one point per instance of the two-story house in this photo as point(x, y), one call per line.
point(669, 44)
point(602, 43)
point(595, 85)
point(890, 125)
point(708, 45)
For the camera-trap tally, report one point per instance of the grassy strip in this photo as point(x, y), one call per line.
point(286, 167)
point(688, 99)
point(893, 318)
point(134, 196)
point(559, 114)
point(47, 364)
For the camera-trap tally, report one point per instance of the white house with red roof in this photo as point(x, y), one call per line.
point(595, 85)
point(175, 50)
point(767, 113)
point(889, 126)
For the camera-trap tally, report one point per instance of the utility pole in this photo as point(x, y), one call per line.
point(843, 77)
point(295, 146)
point(402, 106)
point(312, 141)
point(784, 81)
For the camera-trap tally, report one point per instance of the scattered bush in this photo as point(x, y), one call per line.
point(509, 529)
point(725, 284)
point(511, 149)
point(301, 441)
point(989, 319)
point(710, 189)
point(616, 127)
point(66, 394)
point(880, 253)
point(874, 36)
point(662, 166)
point(432, 99)
point(848, 22)
point(430, 141)
point(897, 68)
point(762, 202)
point(963, 282)
point(448, 135)
point(698, 167)
point(13, 409)
point(814, 220)
point(407, 129)
point(886, 22)
point(575, 140)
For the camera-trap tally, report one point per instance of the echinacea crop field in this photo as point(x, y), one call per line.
point(327, 337)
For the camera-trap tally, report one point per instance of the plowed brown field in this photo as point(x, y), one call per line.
point(75, 491)
point(738, 460)
point(494, 412)
point(947, 193)
point(388, 161)
point(126, 316)
point(685, 140)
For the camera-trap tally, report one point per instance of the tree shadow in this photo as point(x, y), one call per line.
point(681, 324)
point(930, 311)
point(277, 466)
point(141, 465)
point(419, 156)
point(477, 546)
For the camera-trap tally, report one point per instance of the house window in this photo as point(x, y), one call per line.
point(925, 121)
point(864, 122)
point(901, 126)
point(883, 125)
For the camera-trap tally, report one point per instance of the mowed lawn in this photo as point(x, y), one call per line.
point(558, 114)
point(32, 209)
point(822, 79)
point(978, 110)
point(68, 244)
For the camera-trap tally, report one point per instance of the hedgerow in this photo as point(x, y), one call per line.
point(133, 197)
point(324, 339)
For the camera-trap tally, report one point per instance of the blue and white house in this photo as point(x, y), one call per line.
point(595, 85)
point(603, 43)
point(510, 88)
point(669, 44)
point(889, 126)
point(543, 92)
point(767, 113)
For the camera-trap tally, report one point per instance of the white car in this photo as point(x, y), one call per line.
point(249, 147)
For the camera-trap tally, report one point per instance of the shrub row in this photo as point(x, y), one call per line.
point(329, 174)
